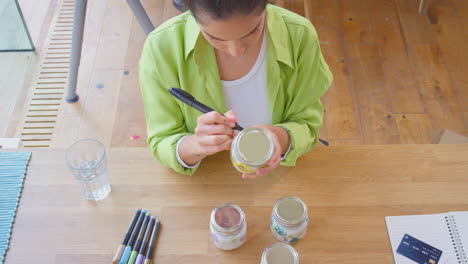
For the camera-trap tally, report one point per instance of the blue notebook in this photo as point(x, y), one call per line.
point(12, 170)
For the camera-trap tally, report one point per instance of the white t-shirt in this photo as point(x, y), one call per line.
point(247, 96)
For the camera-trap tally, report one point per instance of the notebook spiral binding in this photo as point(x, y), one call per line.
point(456, 240)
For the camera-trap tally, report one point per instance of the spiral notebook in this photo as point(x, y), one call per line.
point(445, 234)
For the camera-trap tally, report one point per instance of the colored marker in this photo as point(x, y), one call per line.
point(134, 253)
point(149, 251)
point(131, 242)
point(144, 243)
point(124, 243)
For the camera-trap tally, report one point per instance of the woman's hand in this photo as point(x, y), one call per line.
point(281, 142)
point(213, 134)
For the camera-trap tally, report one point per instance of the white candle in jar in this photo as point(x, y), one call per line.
point(280, 253)
point(228, 226)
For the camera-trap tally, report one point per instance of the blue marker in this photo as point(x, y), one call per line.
point(131, 242)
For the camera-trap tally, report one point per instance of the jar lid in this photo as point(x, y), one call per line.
point(290, 210)
point(280, 253)
point(255, 146)
point(227, 218)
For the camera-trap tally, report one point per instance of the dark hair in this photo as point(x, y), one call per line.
point(223, 9)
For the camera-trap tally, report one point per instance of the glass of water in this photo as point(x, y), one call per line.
point(87, 160)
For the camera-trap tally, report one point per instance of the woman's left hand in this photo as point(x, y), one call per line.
point(275, 159)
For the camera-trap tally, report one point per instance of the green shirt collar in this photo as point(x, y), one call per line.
point(277, 32)
point(192, 33)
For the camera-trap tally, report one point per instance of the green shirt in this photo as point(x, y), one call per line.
point(176, 54)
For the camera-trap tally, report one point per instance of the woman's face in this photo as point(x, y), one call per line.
point(235, 35)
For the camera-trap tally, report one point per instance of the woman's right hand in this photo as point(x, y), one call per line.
point(214, 132)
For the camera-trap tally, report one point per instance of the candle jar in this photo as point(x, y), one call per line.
point(280, 253)
point(228, 226)
point(251, 149)
point(289, 219)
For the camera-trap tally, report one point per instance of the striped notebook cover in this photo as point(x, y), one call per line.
point(12, 170)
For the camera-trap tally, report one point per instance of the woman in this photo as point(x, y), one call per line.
point(260, 61)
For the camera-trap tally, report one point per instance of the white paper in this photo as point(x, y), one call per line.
point(430, 229)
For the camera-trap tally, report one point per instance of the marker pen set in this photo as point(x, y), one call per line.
point(138, 243)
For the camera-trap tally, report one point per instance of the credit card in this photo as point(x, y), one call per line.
point(418, 251)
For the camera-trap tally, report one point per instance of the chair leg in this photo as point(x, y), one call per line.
point(141, 16)
point(179, 5)
point(423, 6)
point(77, 41)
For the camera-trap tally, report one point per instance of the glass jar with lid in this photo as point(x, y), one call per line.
point(280, 253)
point(228, 226)
point(289, 219)
point(251, 149)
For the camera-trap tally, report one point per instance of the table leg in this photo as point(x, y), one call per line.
point(141, 16)
point(77, 41)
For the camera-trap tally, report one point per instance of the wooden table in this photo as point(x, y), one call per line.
point(348, 189)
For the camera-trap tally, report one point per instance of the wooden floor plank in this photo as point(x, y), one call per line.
point(399, 76)
point(460, 82)
point(98, 112)
point(63, 140)
point(449, 30)
point(280, 3)
point(341, 118)
point(430, 66)
point(465, 114)
point(461, 9)
point(415, 128)
point(297, 6)
point(437, 90)
point(377, 123)
point(114, 38)
point(130, 119)
point(452, 33)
